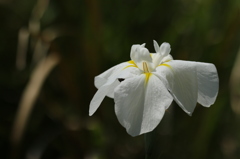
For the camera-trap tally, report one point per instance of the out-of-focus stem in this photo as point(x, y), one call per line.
point(150, 144)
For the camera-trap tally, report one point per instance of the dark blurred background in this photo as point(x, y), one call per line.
point(50, 51)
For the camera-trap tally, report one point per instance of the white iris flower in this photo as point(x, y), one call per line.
point(145, 87)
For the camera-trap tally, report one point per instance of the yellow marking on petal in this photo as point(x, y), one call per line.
point(164, 64)
point(129, 66)
point(132, 64)
point(147, 77)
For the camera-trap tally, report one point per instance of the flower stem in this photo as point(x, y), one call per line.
point(151, 147)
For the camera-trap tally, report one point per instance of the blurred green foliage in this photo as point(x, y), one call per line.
point(92, 36)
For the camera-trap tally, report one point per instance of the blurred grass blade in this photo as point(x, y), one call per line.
point(37, 13)
point(40, 51)
point(30, 94)
point(39, 9)
point(23, 38)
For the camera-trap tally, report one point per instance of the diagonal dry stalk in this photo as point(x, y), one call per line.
point(30, 94)
point(235, 85)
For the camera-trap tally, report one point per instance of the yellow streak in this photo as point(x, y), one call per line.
point(132, 64)
point(164, 64)
point(147, 77)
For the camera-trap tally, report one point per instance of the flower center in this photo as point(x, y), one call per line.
point(145, 67)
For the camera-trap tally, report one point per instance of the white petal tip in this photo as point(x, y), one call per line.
point(134, 135)
point(188, 112)
point(156, 46)
point(207, 106)
point(165, 48)
point(91, 113)
point(166, 44)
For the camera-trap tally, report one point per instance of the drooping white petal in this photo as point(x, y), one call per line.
point(181, 79)
point(140, 103)
point(113, 72)
point(106, 89)
point(208, 83)
point(111, 88)
point(126, 73)
point(108, 81)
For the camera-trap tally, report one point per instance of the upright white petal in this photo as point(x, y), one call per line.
point(140, 103)
point(157, 57)
point(165, 49)
point(181, 79)
point(156, 46)
point(134, 51)
point(140, 54)
point(162, 53)
point(208, 83)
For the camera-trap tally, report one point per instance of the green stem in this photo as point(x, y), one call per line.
point(151, 145)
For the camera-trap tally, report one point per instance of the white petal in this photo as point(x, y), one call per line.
point(97, 99)
point(162, 53)
point(167, 58)
point(181, 79)
point(111, 88)
point(128, 72)
point(106, 89)
point(134, 49)
point(157, 58)
point(143, 45)
point(156, 46)
point(113, 72)
point(207, 83)
point(140, 105)
point(108, 81)
point(139, 54)
point(165, 49)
